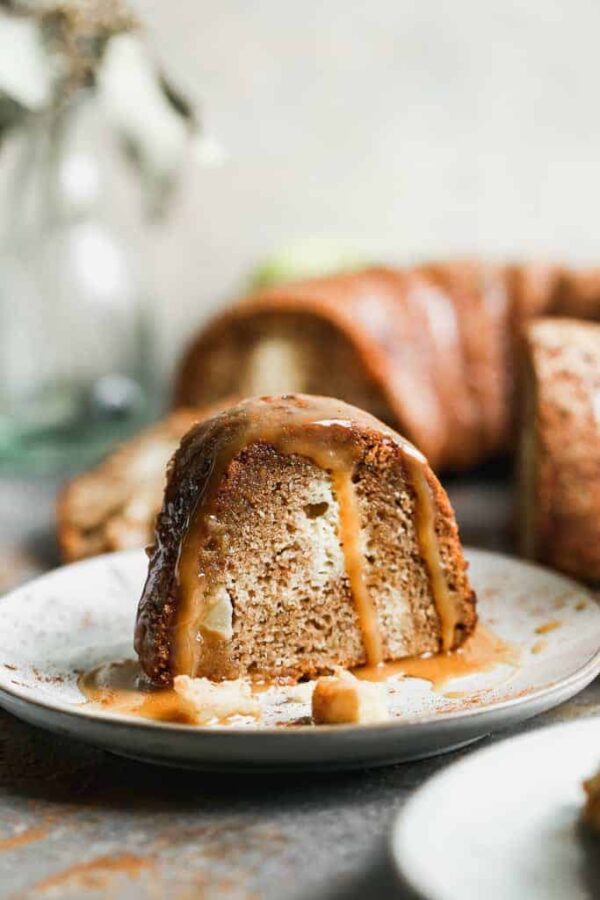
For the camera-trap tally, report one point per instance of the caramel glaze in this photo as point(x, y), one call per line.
point(350, 540)
point(325, 431)
point(430, 551)
point(120, 687)
point(482, 651)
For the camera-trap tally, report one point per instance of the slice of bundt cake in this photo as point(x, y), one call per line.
point(114, 505)
point(299, 533)
point(559, 483)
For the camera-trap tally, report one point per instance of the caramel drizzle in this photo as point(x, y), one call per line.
point(482, 651)
point(191, 585)
point(353, 558)
point(280, 428)
point(117, 687)
point(425, 514)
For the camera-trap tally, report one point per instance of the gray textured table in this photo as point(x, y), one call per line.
point(75, 821)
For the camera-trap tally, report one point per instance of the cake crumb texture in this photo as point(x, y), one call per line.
point(559, 466)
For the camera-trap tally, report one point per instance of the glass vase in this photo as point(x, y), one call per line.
point(75, 350)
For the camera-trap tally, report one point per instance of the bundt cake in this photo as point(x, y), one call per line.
point(433, 351)
point(113, 506)
point(347, 335)
point(299, 533)
point(559, 465)
point(429, 350)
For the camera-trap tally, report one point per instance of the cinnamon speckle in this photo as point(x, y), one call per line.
point(28, 836)
point(95, 874)
point(552, 625)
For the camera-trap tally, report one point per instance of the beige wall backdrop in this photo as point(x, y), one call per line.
point(399, 128)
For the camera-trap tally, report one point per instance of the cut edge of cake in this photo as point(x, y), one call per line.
point(559, 461)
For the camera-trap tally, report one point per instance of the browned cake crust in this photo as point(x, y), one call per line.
point(259, 527)
point(351, 335)
point(431, 350)
point(114, 505)
point(481, 296)
point(534, 289)
point(559, 483)
point(578, 294)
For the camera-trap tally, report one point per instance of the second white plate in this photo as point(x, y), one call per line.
point(82, 615)
point(504, 823)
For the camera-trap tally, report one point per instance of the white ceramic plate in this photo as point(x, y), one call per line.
point(504, 822)
point(81, 615)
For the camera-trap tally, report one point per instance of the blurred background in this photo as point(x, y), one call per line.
point(306, 135)
point(399, 129)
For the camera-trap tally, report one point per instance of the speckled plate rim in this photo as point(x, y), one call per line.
point(477, 722)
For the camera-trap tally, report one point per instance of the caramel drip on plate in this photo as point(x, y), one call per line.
point(115, 687)
point(118, 687)
point(481, 652)
point(425, 514)
point(305, 427)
